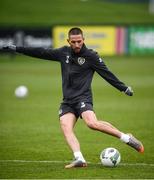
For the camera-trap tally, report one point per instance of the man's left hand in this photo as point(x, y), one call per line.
point(129, 91)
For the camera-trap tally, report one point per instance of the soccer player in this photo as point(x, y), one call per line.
point(78, 64)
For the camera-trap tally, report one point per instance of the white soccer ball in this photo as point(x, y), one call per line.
point(21, 91)
point(110, 157)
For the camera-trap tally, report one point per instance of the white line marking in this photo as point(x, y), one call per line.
point(61, 162)
point(136, 164)
point(33, 161)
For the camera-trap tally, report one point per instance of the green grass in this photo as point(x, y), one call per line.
point(48, 12)
point(30, 131)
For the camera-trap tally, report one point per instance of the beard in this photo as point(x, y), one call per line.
point(77, 50)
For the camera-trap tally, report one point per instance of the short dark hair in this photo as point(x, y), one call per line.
point(75, 31)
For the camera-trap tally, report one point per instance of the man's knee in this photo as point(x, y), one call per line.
point(90, 119)
point(92, 125)
point(67, 122)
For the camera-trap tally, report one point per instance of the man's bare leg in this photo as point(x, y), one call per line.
point(105, 127)
point(67, 123)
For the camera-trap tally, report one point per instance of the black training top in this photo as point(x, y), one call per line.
point(77, 70)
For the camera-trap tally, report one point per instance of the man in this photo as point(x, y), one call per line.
point(78, 64)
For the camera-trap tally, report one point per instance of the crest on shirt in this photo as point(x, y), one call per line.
point(81, 60)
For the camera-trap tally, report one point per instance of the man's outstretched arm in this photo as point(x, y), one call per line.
point(100, 67)
point(42, 53)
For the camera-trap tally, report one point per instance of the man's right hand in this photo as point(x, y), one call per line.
point(9, 48)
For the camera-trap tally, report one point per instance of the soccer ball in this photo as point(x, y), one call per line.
point(21, 91)
point(110, 157)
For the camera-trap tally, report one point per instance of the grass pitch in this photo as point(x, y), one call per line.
point(74, 12)
point(31, 142)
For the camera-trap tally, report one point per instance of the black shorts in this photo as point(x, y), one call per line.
point(77, 108)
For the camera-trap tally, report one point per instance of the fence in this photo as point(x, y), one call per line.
point(106, 40)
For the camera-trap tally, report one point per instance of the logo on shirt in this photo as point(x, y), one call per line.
point(67, 59)
point(81, 60)
point(100, 60)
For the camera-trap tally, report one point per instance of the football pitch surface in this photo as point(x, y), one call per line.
point(31, 142)
point(96, 12)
